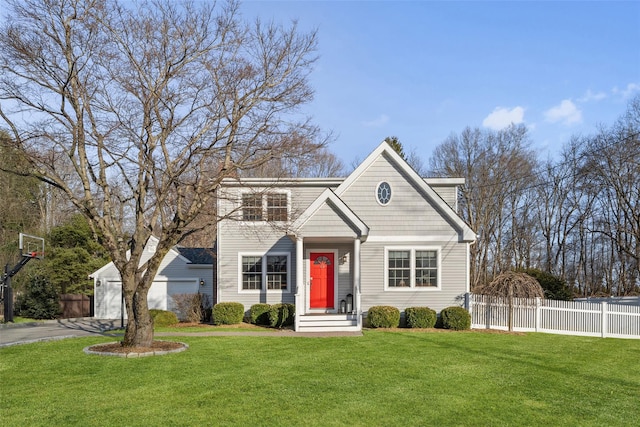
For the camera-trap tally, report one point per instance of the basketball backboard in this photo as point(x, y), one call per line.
point(31, 246)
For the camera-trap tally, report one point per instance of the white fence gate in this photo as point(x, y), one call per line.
point(557, 317)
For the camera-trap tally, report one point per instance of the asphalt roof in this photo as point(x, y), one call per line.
point(197, 255)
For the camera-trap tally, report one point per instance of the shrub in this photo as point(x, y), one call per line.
point(554, 287)
point(420, 317)
point(383, 316)
point(228, 313)
point(39, 300)
point(456, 318)
point(259, 314)
point(281, 315)
point(163, 318)
point(188, 307)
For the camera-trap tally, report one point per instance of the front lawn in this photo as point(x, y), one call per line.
point(383, 378)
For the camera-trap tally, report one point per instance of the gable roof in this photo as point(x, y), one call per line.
point(197, 255)
point(328, 196)
point(202, 256)
point(465, 233)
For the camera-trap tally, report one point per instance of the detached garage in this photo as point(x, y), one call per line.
point(182, 271)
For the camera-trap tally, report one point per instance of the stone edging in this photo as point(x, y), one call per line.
point(88, 350)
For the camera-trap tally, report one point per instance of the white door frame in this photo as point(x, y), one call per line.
point(336, 262)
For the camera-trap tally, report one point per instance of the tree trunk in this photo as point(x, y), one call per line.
point(139, 330)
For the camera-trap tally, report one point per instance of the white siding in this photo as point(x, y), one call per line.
point(175, 276)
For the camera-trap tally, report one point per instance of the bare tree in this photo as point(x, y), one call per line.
point(510, 285)
point(612, 169)
point(152, 104)
point(498, 168)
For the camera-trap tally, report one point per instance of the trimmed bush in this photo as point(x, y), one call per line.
point(383, 316)
point(259, 314)
point(228, 313)
point(281, 315)
point(162, 318)
point(456, 318)
point(420, 317)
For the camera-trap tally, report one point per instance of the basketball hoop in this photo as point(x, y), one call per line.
point(31, 246)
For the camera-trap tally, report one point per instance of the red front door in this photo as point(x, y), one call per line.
point(322, 280)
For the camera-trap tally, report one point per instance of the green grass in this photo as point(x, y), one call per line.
point(242, 327)
point(383, 378)
point(18, 319)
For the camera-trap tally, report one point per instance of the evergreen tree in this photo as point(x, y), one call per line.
point(39, 300)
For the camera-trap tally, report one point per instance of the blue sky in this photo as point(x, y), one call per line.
point(421, 70)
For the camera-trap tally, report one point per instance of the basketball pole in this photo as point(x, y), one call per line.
point(6, 283)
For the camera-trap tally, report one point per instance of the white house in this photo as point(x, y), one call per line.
point(182, 271)
point(336, 246)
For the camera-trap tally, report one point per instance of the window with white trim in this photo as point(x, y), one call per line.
point(251, 272)
point(272, 206)
point(271, 269)
point(407, 268)
point(251, 207)
point(277, 207)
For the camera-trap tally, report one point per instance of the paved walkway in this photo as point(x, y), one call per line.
point(24, 333)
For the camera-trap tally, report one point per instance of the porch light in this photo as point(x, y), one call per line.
point(343, 306)
point(98, 282)
point(201, 282)
point(349, 303)
point(344, 258)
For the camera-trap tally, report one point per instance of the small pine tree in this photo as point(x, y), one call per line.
point(39, 300)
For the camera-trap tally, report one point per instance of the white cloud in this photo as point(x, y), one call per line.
point(565, 112)
point(627, 91)
point(381, 120)
point(501, 117)
point(591, 96)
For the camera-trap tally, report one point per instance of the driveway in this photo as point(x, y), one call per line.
point(23, 333)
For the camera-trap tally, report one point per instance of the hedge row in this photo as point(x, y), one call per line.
point(384, 316)
point(276, 315)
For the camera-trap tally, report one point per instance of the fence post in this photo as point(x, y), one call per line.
point(467, 301)
point(605, 323)
point(538, 311)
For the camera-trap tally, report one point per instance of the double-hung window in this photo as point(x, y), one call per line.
point(412, 268)
point(251, 207)
point(272, 206)
point(277, 207)
point(251, 272)
point(260, 272)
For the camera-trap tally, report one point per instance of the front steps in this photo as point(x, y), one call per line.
point(328, 323)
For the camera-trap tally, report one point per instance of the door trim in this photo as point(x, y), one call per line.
point(336, 263)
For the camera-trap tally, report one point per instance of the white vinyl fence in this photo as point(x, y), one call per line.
point(557, 317)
